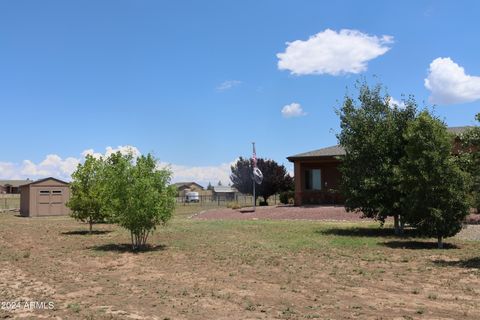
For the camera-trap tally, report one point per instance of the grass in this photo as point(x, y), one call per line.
point(237, 269)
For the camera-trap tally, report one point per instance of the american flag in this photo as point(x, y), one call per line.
point(254, 157)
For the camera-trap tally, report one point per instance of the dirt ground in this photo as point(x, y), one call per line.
point(233, 269)
point(325, 213)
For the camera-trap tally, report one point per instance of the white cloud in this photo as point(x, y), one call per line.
point(109, 150)
point(392, 101)
point(449, 84)
point(200, 174)
point(293, 110)
point(331, 52)
point(54, 166)
point(229, 84)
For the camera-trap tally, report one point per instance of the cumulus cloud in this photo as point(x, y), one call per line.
point(332, 52)
point(55, 166)
point(229, 84)
point(449, 84)
point(293, 110)
point(109, 150)
point(200, 174)
point(392, 101)
point(62, 168)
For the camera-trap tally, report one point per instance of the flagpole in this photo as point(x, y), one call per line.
point(253, 181)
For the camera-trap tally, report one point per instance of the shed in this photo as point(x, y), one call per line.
point(44, 197)
point(224, 193)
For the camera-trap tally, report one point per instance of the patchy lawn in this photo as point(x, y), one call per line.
point(234, 269)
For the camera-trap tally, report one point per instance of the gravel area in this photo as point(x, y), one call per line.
point(327, 213)
point(469, 232)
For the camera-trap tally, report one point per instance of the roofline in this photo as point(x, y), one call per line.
point(331, 157)
point(44, 179)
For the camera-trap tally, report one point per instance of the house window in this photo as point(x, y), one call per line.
point(313, 179)
point(44, 192)
point(57, 191)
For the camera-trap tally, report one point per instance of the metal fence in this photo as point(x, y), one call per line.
point(9, 202)
point(221, 200)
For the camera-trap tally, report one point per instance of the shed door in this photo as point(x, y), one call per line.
point(50, 202)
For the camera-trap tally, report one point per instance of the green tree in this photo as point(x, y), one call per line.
point(86, 192)
point(372, 136)
point(470, 160)
point(139, 195)
point(275, 177)
point(434, 186)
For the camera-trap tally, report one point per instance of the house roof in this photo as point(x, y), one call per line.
point(187, 184)
point(458, 130)
point(14, 183)
point(338, 150)
point(45, 179)
point(332, 151)
point(224, 189)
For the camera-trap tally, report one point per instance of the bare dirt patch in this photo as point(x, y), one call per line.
point(324, 213)
point(235, 269)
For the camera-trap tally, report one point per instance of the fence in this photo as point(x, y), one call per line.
point(9, 202)
point(223, 200)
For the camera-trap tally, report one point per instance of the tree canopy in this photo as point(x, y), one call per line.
point(275, 177)
point(86, 192)
point(133, 191)
point(139, 195)
point(470, 160)
point(434, 186)
point(372, 135)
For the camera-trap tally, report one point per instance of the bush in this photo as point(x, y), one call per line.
point(263, 203)
point(234, 205)
point(287, 197)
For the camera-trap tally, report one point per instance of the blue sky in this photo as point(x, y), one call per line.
point(196, 82)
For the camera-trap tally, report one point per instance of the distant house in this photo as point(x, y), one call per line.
point(44, 197)
point(191, 186)
point(224, 193)
point(12, 186)
point(184, 187)
point(317, 175)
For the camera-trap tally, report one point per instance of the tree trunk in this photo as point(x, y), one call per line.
point(440, 242)
point(90, 222)
point(402, 225)
point(396, 224)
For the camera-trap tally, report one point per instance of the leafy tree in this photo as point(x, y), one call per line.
point(86, 192)
point(470, 160)
point(372, 136)
point(275, 177)
point(434, 186)
point(139, 195)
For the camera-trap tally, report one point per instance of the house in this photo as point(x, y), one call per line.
point(12, 186)
point(184, 187)
point(45, 197)
point(192, 186)
point(317, 175)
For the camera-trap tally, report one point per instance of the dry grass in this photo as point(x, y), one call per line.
point(235, 270)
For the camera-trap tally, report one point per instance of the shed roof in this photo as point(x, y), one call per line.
point(338, 150)
point(45, 179)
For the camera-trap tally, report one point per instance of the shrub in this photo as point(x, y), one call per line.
point(233, 205)
point(287, 197)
